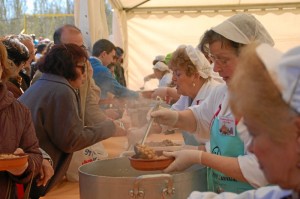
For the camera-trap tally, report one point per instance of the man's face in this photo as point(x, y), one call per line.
point(107, 58)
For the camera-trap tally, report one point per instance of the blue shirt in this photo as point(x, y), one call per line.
point(107, 82)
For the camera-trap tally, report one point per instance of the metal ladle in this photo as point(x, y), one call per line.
point(148, 127)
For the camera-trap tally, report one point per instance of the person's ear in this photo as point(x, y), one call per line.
point(102, 54)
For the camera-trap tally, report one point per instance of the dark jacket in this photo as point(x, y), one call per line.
point(56, 114)
point(17, 131)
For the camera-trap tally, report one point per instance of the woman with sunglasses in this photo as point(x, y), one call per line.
point(230, 166)
point(54, 101)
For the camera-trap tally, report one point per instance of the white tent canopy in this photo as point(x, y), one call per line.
point(146, 28)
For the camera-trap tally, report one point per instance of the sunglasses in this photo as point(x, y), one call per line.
point(82, 66)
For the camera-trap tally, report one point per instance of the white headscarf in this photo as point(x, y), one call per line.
point(243, 28)
point(161, 66)
point(204, 68)
point(159, 58)
point(285, 71)
point(199, 60)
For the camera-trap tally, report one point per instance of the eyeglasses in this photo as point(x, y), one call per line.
point(218, 60)
point(82, 66)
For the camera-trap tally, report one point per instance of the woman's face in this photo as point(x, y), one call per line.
point(278, 160)
point(15, 69)
point(183, 82)
point(81, 75)
point(224, 59)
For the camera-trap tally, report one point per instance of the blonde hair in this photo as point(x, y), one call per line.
point(180, 60)
point(255, 96)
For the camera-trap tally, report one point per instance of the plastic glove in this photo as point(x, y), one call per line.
point(19, 170)
point(183, 159)
point(165, 117)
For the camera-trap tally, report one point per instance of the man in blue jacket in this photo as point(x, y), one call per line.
point(103, 54)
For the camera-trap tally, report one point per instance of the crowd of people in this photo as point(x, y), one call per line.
point(235, 99)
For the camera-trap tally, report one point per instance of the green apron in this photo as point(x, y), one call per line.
point(224, 145)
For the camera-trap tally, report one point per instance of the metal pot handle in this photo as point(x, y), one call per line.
point(168, 191)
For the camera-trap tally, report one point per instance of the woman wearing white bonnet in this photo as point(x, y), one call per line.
point(230, 165)
point(157, 58)
point(194, 79)
point(163, 74)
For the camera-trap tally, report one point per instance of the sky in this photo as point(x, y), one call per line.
point(29, 4)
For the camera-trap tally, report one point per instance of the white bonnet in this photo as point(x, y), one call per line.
point(243, 28)
point(159, 58)
point(161, 66)
point(285, 70)
point(199, 60)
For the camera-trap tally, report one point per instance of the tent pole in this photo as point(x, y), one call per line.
point(128, 9)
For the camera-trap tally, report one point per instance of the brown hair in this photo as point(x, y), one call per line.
point(211, 36)
point(180, 60)
point(16, 50)
point(102, 45)
point(62, 60)
point(255, 96)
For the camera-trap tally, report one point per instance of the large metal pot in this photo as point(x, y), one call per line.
point(116, 179)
